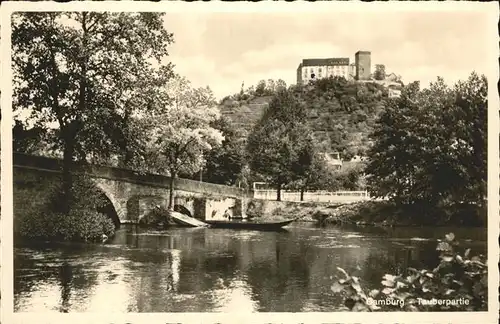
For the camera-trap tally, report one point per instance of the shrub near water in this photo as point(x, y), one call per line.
point(82, 223)
point(459, 282)
point(78, 225)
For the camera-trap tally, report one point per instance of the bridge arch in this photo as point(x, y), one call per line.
point(107, 208)
point(112, 206)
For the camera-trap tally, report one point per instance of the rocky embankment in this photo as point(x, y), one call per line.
point(376, 213)
point(363, 213)
point(358, 213)
point(371, 213)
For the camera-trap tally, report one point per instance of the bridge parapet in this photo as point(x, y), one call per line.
point(127, 175)
point(132, 194)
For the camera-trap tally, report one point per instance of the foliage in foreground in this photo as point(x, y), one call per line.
point(83, 223)
point(458, 282)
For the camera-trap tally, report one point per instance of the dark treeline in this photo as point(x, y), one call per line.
point(430, 150)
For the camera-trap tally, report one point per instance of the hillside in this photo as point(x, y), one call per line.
point(342, 113)
point(244, 112)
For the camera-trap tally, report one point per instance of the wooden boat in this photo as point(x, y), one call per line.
point(185, 220)
point(245, 224)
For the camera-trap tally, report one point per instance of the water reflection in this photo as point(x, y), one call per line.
point(65, 275)
point(215, 270)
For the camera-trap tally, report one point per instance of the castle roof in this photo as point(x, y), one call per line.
point(326, 61)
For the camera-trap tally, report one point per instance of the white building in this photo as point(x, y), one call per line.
point(311, 69)
point(394, 93)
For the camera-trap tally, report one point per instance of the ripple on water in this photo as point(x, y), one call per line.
point(38, 255)
point(219, 254)
point(153, 233)
point(337, 246)
point(411, 239)
point(352, 236)
point(245, 235)
point(314, 237)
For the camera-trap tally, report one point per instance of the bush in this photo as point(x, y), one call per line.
point(79, 225)
point(158, 216)
point(462, 279)
point(83, 222)
point(90, 225)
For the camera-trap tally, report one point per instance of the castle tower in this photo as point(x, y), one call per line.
point(363, 65)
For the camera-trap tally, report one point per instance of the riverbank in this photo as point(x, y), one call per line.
point(370, 213)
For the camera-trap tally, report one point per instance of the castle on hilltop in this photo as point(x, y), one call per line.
point(360, 70)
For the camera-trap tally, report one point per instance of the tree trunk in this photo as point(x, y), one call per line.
point(278, 198)
point(126, 149)
point(127, 157)
point(171, 193)
point(67, 178)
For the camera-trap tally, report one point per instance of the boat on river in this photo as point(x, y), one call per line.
point(246, 224)
point(184, 220)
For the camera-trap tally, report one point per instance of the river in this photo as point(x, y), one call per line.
point(218, 270)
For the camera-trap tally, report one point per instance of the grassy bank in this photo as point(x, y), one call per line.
point(386, 213)
point(376, 213)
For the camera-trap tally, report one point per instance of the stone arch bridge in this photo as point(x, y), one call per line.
point(132, 195)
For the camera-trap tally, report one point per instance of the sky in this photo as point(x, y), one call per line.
point(222, 50)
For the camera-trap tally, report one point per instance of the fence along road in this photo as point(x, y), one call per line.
point(313, 196)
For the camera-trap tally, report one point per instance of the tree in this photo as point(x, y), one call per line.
point(391, 169)
point(317, 175)
point(430, 145)
point(24, 139)
point(178, 139)
point(224, 165)
point(137, 97)
point(278, 147)
point(260, 89)
point(70, 69)
point(471, 115)
point(351, 178)
point(280, 85)
point(379, 72)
